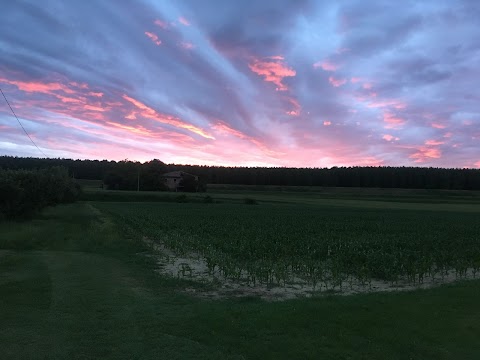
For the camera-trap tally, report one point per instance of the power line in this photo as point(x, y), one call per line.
point(16, 117)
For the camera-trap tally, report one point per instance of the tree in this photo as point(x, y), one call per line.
point(151, 176)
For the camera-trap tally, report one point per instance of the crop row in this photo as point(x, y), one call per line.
point(277, 244)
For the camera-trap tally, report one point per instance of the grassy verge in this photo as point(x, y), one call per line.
point(72, 286)
point(455, 200)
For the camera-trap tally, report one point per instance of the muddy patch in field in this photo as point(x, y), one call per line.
point(194, 267)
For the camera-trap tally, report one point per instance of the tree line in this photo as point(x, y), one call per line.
point(25, 192)
point(129, 175)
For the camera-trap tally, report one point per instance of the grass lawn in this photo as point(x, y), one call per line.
point(72, 286)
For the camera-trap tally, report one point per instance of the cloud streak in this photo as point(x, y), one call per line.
point(154, 38)
point(273, 70)
point(270, 83)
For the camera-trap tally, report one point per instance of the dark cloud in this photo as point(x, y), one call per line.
point(254, 27)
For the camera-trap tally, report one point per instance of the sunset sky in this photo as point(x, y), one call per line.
point(248, 83)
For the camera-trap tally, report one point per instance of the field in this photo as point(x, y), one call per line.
point(331, 247)
point(83, 280)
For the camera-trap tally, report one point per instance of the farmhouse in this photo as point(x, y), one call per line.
point(176, 180)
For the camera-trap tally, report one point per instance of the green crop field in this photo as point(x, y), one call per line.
point(82, 281)
point(332, 246)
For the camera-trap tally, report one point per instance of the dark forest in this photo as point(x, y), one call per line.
point(123, 174)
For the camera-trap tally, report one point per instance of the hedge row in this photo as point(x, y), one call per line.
point(25, 192)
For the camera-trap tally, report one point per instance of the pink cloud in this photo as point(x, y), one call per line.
point(141, 138)
point(355, 79)
point(183, 21)
point(161, 24)
point(438, 126)
point(77, 119)
point(434, 142)
point(367, 86)
point(273, 71)
point(187, 45)
point(326, 65)
point(154, 38)
point(58, 113)
point(389, 137)
point(4, 127)
point(76, 102)
point(336, 82)
point(140, 130)
point(293, 113)
point(131, 116)
point(392, 121)
point(447, 135)
point(369, 161)
point(328, 157)
point(477, 164)
point(396, 104)
point(425, 153)
point(94, 108)
point(113, 103)
point(38, 87)
point(224, 128)
point(297, 109)
point(120, 139)
point(149, 113)
point(67, 99)
point(79, 85)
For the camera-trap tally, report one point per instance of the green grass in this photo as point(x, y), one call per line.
point(415, 199)
point(90, 184)
point(73, 287)
point(369, 194)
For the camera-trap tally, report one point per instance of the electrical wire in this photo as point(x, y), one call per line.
point(25, 131)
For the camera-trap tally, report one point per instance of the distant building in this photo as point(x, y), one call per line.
point(173, 180)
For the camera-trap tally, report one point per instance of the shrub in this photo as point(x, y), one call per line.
point(25, 192)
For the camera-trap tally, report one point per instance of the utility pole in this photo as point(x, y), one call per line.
point(138, 180)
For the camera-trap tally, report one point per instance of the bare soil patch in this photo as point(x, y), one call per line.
point(194, 267)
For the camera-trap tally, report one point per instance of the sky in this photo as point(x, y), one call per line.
point(300, 83)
